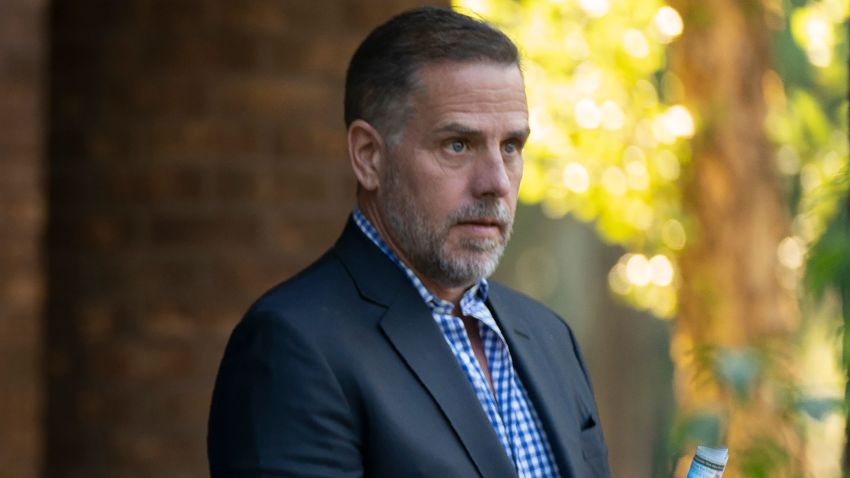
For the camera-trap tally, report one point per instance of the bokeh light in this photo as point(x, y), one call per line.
point(613, 132)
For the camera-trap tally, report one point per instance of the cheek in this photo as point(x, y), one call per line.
point(442, 207)
point(515, 183)
point(516, 179)
point(443, 194)
point(516, 173)
point(430, 203)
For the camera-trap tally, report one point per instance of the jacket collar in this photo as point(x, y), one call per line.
point(376, 277)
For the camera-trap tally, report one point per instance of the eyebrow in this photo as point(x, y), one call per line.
point(460, 129)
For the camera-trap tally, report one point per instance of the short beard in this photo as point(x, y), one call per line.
point(424, 244)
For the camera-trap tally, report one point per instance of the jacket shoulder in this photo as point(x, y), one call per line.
point(323, 283)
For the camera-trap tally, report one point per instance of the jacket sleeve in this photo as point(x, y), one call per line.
point(278, 408)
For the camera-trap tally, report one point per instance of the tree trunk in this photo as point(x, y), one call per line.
point(732, 344)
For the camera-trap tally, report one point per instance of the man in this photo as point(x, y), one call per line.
point(392, 355)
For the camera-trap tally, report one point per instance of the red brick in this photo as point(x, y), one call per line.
point(96, 230)
point(197, 158)
point(269, 16)
point(22, 40)
point(238, 51)
point(362, 19)
point(315, 57)
point(273, 97)
point(129, 362)
point(226, 229)
point(205, 138)
point(299, 139)
point(172, 93)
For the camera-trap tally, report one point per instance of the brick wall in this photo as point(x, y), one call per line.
point(21, 222)
point(196, 159)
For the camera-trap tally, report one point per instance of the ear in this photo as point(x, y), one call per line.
point(366, 150)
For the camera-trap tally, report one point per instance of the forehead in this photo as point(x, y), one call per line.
point(476, 92)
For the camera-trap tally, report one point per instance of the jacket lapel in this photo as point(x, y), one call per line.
point(551, 399)
point(414, 334)
point(417, 338)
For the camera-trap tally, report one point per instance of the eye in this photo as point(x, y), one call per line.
point(456, 146)
point(512, 147)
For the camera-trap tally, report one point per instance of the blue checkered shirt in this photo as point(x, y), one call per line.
point(507, 405)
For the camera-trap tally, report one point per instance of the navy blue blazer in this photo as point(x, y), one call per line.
point(342, 372)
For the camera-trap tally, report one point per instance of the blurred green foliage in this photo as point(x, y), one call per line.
point(610, 138)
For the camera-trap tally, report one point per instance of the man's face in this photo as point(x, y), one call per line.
point(448, 191)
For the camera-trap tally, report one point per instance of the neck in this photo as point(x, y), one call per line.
point(450, 294)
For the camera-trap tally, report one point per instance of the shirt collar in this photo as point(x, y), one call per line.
point(472, 297)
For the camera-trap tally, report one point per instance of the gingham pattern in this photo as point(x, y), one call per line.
point(510, 412)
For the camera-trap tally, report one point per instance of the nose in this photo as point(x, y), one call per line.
point(492, 176)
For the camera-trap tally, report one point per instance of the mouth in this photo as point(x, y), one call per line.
point(481, 226)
